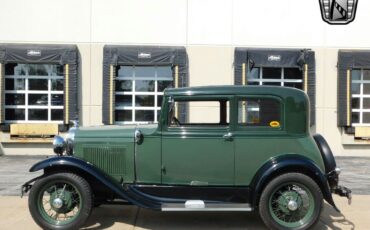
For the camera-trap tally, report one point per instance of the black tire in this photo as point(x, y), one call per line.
point(270, 192)
point(76, 183)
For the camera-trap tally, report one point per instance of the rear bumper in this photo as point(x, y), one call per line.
point(333, 180)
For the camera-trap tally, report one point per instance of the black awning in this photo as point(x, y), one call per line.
point(36, 53)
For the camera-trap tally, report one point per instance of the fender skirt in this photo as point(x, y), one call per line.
point(290, 163)
point(124, 192)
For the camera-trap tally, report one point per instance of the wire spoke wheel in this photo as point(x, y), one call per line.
point(60, 201)
point(292, 205)
point(291, 201)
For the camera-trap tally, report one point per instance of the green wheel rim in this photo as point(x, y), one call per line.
point(72, 203)
point(286, 215)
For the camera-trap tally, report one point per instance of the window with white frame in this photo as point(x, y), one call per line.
point(34, 93)
point(289, 77)
point(139, 93)
point(360, 97)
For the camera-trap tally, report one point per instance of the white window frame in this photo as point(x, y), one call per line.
point(282, 80)
point(26, 92)
point(133, 93)
point(361, 96)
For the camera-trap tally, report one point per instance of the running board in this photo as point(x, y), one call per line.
point(198, 205)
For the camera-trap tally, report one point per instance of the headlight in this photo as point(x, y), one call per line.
point(70, 137)
point(59, 145)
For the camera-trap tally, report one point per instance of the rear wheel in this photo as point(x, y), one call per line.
point(60, 201)
point(291, 201)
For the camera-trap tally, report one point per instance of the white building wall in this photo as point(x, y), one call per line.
point(207, 28)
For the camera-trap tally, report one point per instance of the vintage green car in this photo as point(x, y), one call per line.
point(215, 148)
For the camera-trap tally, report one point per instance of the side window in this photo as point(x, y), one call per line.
point(200, 113)
point(259, 112)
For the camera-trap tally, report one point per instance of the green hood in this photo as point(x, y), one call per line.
point(113, 131)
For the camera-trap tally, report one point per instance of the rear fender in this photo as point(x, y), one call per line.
point(285, 164)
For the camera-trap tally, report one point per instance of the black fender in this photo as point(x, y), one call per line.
point(65, 163)
point(326, 153)
point(285, 164)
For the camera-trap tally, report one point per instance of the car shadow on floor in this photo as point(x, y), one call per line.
point(331, 219)
point(125, 217)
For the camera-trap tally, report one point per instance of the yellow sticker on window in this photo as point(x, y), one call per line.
point(275, 124)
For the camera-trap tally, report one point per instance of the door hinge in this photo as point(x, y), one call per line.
point(163, 168)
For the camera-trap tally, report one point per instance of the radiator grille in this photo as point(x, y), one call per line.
point(111, 159)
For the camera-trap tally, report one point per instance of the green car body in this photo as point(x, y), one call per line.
point(230, 165)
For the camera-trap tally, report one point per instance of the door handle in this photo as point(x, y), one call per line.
point(228, 137)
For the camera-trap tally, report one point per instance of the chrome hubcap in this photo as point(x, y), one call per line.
point(57, 203)
point(292, 205)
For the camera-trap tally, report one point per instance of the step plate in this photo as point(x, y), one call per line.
point(173, 207)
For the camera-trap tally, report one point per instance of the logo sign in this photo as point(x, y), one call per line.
point(273, 57)
point(144, 55)
point(338, 12)
point(34, 53)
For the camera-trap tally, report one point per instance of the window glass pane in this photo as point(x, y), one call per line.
point(14, 114)
point(292, 73)
point(355, 117)
point(123, 100)
point(57, 84)
point(366, 75)
point(366, 118)
point(37, 99)
point(356, 74)
point(271, 73)
point(254, 74)
point(366, 103)
point(293, 84)
point(144, 71)
point(14, 84)
point(162, 85)
point(38, 70)
point(159, 101)
point(123, 115)
point(355, 103)
point(144, 115)
point(38, 114)
point(38, 84)
point(144, 86)
point(272, 83)
point(366, 88)
point(9, 68)
point(125, 85)
point(199, 113)
point(125, 71)
point(356, 88)
point(57, 99)
point(14, 99)
point(253, 83)
point(164, 72)
point(144, 100)
point(259, 112)
point(57, 114)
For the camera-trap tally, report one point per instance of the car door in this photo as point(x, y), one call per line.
point(199, 151)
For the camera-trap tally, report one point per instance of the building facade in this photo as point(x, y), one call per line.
point(108, 62)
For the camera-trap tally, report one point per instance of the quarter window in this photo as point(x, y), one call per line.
point(259, 112)
point(34, 93)
point(290, 77)
point(360, 97)
point(139, 93)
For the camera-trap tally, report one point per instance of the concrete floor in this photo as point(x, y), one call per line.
point(15, 215)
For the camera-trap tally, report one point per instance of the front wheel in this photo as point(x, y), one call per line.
point(60, 201)
point(291, 201)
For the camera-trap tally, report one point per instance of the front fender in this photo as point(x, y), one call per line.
point(285, 164)
point(70, 162)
